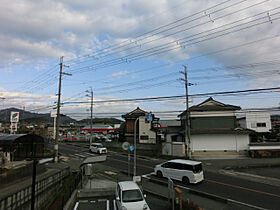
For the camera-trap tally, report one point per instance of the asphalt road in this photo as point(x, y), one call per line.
point(257, 194)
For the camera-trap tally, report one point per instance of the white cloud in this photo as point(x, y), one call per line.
point(35, 30)
point(31, 32)
point(119, 74)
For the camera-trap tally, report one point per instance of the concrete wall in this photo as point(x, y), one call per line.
point(174, 149)
point(141, 148)
point(219, 142)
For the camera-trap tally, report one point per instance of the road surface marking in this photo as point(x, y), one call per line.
point(76, 205)
point(243, 188)
point(79, 155)
point(108, 205)
point(89, 154)
point(115, 205)
point(110, 172)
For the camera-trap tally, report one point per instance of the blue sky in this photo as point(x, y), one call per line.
point(104, 48)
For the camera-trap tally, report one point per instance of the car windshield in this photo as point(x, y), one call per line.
point(197, 168)
point(132, 196)
point(99, 146)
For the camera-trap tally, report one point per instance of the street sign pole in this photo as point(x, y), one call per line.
point(171, 192)
point(135, 124)
point(128, 169)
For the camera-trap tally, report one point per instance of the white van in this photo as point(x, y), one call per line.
point(98, 148)
point(186, 171)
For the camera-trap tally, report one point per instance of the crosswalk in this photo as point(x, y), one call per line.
point(81, 155)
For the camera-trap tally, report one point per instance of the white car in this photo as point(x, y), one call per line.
point(186, 171)
point(130, 197)
point(98, 148)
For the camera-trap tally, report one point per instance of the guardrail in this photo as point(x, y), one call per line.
point(22, 198)
point(202, 199)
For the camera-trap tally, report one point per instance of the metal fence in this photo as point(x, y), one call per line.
point(43, 189)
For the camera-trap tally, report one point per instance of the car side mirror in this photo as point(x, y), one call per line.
point(145, 196)
point(117, 198)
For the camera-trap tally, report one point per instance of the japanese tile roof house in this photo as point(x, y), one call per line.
point(214, 127)
point(144, 129)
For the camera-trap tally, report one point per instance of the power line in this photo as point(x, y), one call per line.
point(166, 47)
point(156, 29)
point(178, 96)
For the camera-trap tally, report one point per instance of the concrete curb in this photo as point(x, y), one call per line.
point(72, 200)
point(252, 177)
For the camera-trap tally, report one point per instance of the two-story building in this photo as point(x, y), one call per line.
point(145, 134)
point(214, 128)
point(257, 121)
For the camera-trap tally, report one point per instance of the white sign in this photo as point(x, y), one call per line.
point(53, 114)
point(137, 178)
point(14, 116)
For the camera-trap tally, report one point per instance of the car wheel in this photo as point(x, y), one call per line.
point(159, 174)
point(185, 180)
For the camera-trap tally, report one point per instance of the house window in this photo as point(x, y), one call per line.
point(253, 125)
point(173, 138)
point(261, 124)
point(144, 137)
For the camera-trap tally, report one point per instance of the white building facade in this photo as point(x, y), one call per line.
point(257, 121)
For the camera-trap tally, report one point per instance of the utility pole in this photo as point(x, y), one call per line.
point(187, 124)
point(58, 109)
point(91, 111)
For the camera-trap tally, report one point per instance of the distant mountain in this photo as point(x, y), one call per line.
point(31, 117)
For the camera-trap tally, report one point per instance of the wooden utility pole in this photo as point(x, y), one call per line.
point(58, 109)
point(187, 122)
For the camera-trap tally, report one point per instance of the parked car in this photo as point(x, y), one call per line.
point(70, 139)
point(130, 197)
point(186, 171)
point(98, 148)
point(107, 139)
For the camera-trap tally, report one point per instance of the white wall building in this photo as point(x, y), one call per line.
point(257, 121)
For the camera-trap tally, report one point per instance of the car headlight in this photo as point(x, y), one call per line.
point(123, 208)
point(145, 207)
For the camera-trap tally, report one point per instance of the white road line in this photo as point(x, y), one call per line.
point(79, 155)
point(115, 205)
point(89, 154)
point(76, 205)
point(108, 205)
point(72, 155)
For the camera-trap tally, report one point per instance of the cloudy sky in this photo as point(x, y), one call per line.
point(135, 49)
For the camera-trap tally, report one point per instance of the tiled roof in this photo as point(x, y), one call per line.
point(212, 105)
point(135, 113)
